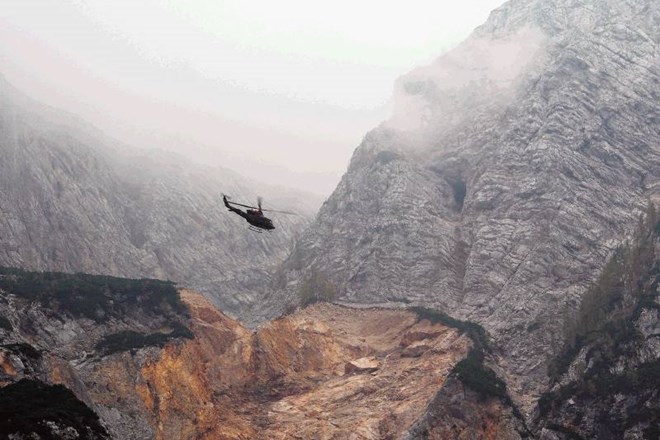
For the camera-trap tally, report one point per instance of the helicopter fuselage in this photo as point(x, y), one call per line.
point(257, 219)
point(253, 215)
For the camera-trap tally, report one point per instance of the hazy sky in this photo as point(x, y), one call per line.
point(282, 91)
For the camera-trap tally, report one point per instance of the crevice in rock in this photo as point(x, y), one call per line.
point(460, 190)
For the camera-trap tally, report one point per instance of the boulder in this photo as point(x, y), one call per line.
point(362, 365)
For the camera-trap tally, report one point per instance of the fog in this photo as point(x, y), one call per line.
point(481, 69)
point(281, 92)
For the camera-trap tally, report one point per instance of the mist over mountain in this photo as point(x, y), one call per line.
point(512, 167)
point(73, 199)
point(509, 205)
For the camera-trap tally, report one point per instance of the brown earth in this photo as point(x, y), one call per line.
point(288, 380)
point(323, 372)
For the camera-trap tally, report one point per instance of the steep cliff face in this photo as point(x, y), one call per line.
point(165, 372)
point(605, 380)
point(458, 412)
point(511, 168)
point(66, 329)
point(73, 199)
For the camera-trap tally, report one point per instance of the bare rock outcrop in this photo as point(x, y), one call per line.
point(513, 166)
point(288, 380)
point(73, 199)
point(362, 365)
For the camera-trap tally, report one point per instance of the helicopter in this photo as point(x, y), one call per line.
point(254, 215)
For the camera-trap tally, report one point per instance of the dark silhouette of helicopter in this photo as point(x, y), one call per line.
point(254, 215)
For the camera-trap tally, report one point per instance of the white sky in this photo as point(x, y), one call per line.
point(282, 91)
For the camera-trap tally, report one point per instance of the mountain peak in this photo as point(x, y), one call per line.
point(557, 16)
point(512, 167)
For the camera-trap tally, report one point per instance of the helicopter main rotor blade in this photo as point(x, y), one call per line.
point(240, 204)
point(264, 210)
point(280, 212)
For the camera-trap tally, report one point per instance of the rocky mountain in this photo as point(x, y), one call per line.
point(501, 192)
point(605, 381)
point(73, 199)
point(512, 167)
point(147, 362)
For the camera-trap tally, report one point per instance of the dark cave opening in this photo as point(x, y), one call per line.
point(460, 190)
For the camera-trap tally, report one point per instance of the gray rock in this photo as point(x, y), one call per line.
point(512, 167)
point(74, 200)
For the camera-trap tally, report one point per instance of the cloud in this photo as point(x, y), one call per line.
point(480, 69)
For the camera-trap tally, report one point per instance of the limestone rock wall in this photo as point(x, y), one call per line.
point(512, 167)
point(73, 199)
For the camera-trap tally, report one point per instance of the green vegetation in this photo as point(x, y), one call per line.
point(605, 328)
point(471, 371)
point(92, 296)
point(476, 332)
point(600, 384)
point(315, 288)
point(653, 430)
point(626, 286)
point(289, 309)
point(477, 376)
point(130, 340)
point(569, 432)
point(23, 350)
point(27, 405)
point(5, 324)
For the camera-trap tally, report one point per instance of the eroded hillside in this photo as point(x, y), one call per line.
point(324, 372)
